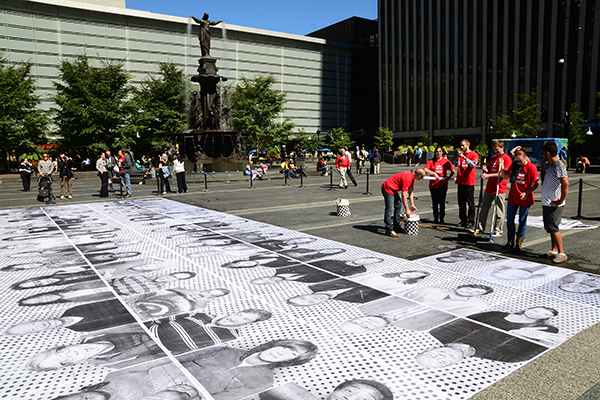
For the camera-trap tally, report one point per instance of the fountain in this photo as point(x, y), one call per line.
point(215, 145)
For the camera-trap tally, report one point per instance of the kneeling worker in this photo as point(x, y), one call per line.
point(397, 191)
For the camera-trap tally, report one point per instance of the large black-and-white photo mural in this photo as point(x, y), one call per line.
point(154, 299)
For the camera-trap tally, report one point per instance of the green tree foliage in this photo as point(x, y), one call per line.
point(22, 125)
point(338, 139)
point(161, 100)
point(524, 121)
point(309, 141)
point(94, 106)
point(383, 138)
point(255, 108)
point(576, 134)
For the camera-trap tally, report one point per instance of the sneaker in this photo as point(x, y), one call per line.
point(62, 197)
point(355, 184)
point(560, 258)
point(164, 192)
point(551, 254)
point(128, 195)
point(497, 234)
point(141, 183)
point(393, 234)
point(70, 197)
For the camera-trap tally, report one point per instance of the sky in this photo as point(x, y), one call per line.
point(290, 16)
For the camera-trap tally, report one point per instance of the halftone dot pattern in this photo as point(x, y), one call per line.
point(553, 289)
point(520, 274)
point(572, 318)
point(174, 237)
point(463, 260)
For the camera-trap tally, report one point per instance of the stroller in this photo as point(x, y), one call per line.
point(45, 189)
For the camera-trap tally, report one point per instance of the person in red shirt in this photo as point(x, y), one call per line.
point(491, 174)
point(523, 176)
point(442, 169)
point(397, 191)
point(341, 164)
point(465, 179)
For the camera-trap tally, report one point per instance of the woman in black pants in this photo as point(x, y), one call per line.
point(164, 174)
point(442, 169)
point(103, 174)
point(25, 171)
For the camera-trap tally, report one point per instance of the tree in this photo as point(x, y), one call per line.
point(94, 106)
point(162, 106)
point(309, 141)
point(22, 124)
point(524, 121)
point(255, 106)
point(339, 139)
point(383, 138)
point(576, 134)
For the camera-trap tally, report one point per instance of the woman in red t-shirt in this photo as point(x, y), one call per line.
point(442, 169)
point(523, 176)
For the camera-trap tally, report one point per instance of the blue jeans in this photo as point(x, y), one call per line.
point(127, 178)
point(511, 211)
point(393, 209)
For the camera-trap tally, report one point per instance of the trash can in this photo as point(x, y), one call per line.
point(411, 225)
point(343, 207)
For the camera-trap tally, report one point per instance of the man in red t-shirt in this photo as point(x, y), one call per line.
point(491, 174)
point(342, 163)
point(465, 179)
point(523, 182)
point(442, 169)
point(397, 191)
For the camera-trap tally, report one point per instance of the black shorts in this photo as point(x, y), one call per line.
point(552, 217)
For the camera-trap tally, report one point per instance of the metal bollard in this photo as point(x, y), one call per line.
point(367, 193)
point(579, 199)
point(285, 177)
point(251, 182)
point(205, 182)
point(301, 179)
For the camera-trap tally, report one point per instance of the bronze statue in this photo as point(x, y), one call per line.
point(204, 33)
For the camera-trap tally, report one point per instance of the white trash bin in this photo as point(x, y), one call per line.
point(343, 207)
point(411, 225)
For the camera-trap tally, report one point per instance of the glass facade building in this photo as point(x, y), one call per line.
point(449, 66)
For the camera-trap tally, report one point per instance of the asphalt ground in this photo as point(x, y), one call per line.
point(568, 372)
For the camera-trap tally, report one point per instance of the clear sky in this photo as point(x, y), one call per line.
point(291, 16)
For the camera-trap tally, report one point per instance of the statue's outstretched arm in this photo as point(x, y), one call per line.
point(212, 23)
point(195, 19)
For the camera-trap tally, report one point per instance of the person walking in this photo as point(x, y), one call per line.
point(341, 164)
point(397, 191)
point(491, 174)
point(25, 172)
point(465, 179)
point(164, 174)
point(349, 172)
point(442, 169)
point(418, 155)
point(179, 168)
point(523, 176)
point(359, 160)
point(555, 189)
point(65, 167)
point(376, 161)
point(101, 167)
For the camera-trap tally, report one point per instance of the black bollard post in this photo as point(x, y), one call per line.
point(251, 182)
point(579, 199)
point(301, 179)
point(367, 193)
point(331, 179)
point(285, 178)
point(205, 182)
point(157, 177)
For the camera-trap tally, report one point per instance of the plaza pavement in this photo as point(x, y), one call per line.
point(569, 372)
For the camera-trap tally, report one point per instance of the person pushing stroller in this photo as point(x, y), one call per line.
point(45, 169)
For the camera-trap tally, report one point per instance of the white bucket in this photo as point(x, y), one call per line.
point(411, 225)
point(343, 207)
